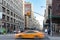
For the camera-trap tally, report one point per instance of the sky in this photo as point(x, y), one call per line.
point(39, 7)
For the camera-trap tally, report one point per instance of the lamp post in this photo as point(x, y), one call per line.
point(50, 8)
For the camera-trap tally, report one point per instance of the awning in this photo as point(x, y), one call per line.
point(56, 16)
point(52, 16)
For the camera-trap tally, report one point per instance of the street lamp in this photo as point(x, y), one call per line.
point(50, 8)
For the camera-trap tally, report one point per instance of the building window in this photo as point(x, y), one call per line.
point(14, 20)
point(59, 6)
point(4, 25)
point(3, 16)
point(11, 25)
point(3, 2)
point(11, 20)
point(14, 27)
point(8, 27)
point(7, 11)
point(14, 15)
point(7, 18)
point(11, 13)
point(3, 9)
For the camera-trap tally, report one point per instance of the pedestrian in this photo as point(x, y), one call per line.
point(48, 32)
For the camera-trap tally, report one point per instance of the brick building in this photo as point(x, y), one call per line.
point(52, 16)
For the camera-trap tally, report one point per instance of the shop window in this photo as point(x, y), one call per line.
point(11, 13)
point(11, 19)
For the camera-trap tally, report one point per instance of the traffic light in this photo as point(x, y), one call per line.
point(28, 13)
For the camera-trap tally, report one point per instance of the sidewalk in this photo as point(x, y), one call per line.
point(56, 34)
point(53, 37)
point(6, 34)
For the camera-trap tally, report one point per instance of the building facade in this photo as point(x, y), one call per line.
point(12, 16)
point(28, 8)
point(31, 21)
point(52, 16)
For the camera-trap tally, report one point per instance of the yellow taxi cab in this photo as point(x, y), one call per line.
point(30, 34)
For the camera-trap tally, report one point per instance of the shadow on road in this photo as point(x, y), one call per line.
point(34, 39)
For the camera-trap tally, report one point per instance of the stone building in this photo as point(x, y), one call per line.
point(11, 14)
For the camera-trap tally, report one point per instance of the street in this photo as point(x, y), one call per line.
point(11, 37)
point(7, 37)
point(37, 20)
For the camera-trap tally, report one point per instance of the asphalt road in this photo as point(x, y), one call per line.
point(11, 37)
point(35, 39)
point(7, 37)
